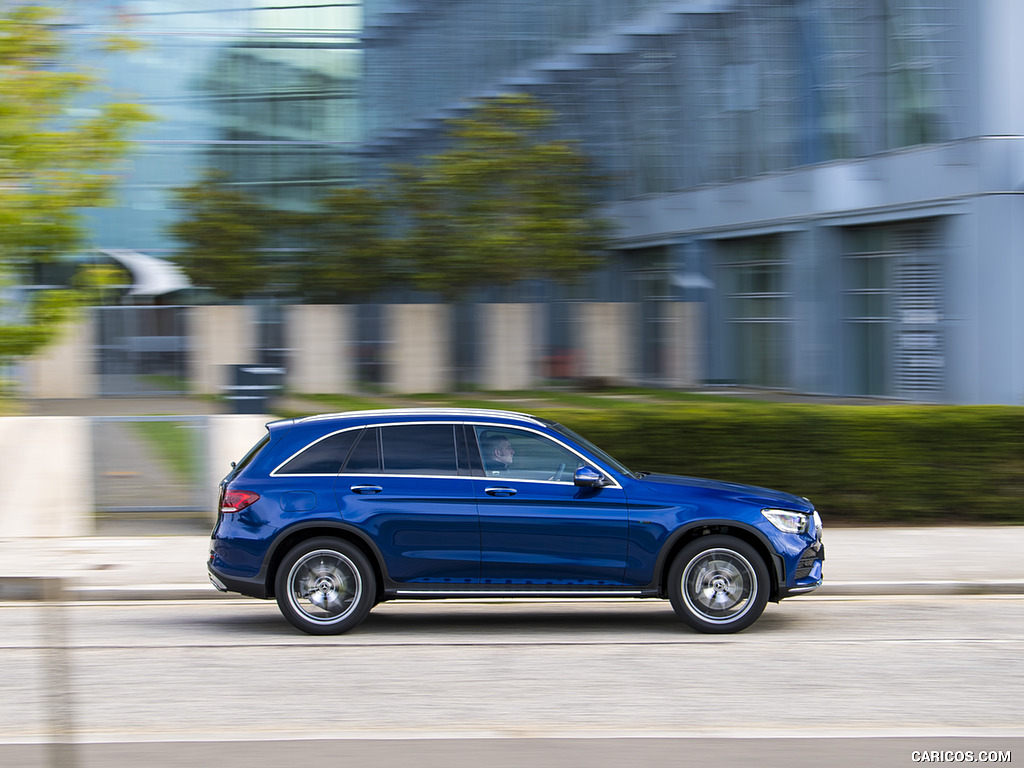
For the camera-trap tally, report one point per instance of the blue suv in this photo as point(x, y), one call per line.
point(332, 514)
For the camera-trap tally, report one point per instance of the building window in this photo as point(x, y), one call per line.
point(892, 311)
point(756, 310)
point(650, 287)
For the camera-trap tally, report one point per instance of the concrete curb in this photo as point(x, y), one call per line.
point(145, 592)
point(829, 589)
point(924, 588)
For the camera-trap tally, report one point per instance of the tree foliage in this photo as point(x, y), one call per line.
point(350, 252)
point(502, 203)
point(225, 235)
point(52, 165)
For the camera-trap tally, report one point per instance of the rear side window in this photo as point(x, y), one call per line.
point(419, 449)
point(324, 457)
point(365, 456)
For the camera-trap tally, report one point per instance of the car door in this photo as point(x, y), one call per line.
point(408, 488)
point(536, 526)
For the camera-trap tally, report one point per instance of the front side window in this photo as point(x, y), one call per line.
point(600, 453)
point(520, 455)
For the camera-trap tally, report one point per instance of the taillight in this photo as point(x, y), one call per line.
point(235, 501)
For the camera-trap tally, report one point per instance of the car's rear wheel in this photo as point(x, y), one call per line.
point(718, 584)
point(325, 586)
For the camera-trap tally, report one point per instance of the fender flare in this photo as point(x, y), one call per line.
point(773, 560)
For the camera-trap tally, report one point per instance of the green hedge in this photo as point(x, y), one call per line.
point(858, 464)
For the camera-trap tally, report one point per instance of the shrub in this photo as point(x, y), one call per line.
point(858, 464)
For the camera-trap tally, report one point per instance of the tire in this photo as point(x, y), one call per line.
point(325, 586)
point(718, 584)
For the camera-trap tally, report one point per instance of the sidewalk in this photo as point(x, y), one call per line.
point(860, 561)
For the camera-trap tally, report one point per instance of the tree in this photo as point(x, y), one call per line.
point(52, 165)
point(226, 235)
point(502, 204)
point(351, 252)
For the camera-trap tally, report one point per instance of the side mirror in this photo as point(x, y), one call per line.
point(588, 477)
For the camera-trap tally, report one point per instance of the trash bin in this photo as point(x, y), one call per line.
point(252, 387)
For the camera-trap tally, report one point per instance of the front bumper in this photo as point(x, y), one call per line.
point(807, 576)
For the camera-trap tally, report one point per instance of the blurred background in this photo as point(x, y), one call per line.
point(650, 220)
point(812, 196)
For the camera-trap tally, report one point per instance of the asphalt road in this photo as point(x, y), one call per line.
point(838, 681)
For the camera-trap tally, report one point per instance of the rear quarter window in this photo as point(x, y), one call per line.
point(324, 457)
point(250, 456)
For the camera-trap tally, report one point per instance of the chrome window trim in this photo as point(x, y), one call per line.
point(610, 479)
point(607, 475)
point(275, 472)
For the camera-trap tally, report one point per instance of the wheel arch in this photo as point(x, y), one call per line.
point(696, 530)
point(311, 530)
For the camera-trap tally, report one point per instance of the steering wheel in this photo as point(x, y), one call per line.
point(558, 472)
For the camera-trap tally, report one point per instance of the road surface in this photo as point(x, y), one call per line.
point(816, 681)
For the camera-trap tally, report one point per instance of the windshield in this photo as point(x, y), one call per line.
point(611, 461)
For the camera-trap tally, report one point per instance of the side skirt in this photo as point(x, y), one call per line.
point(432, 592)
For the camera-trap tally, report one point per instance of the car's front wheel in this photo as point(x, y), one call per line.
point(325, 586)
point(718, 584)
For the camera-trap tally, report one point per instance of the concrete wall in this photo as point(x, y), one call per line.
point(48, 486)
point(418, 359)
point(684, 354)
point(320, 340)
point(220, 336)
point(509, 345)
point(984, 320)
point(1000, 59)
point(64, 369)
point(608, 333)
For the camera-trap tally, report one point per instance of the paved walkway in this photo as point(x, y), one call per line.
point(860, 561)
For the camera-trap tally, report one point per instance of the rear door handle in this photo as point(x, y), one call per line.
point(500, 491)
point(366, 489)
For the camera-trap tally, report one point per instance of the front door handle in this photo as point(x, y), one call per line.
point(366, 489)
point(500, 491)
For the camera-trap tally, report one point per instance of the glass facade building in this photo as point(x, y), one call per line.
point(667, 96)
point(266, 94)
point(826, 179)
point(831, 182)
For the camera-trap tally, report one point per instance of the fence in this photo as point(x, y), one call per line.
point(150, 464)
point(63, 472)
point(399, 348)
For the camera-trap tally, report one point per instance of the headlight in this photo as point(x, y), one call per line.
point(786, 521)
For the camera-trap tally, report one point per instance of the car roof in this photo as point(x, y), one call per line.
point(426, 414)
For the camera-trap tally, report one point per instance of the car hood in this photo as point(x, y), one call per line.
point(674, 485)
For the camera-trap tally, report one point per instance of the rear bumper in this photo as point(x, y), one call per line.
point(247, 587)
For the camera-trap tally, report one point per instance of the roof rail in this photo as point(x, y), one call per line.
point(431, 411)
